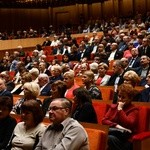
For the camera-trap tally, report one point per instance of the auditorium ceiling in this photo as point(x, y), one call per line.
point(42, 3)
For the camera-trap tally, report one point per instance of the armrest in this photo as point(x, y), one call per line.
point(141, 136)
point(141, 141)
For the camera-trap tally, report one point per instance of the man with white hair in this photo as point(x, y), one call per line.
point(55, 41)
point(34, 73)
point(114, 54)
point(43, 69)
point(43, 81)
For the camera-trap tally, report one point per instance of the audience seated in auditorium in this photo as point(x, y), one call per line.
point(83, 109)
point(122, 119)
point(31, 91)
point(7, 123)
point(88, 81)
point(28, 132)
point(61, 123)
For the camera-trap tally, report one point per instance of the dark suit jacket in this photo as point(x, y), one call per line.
point(10, 85)
point(139, 71)
point(46, 43)
point(142, 51)
point(118, 55)
point(6, 93)
point(145, 95)
point(136, 62)
point(112, 79)
point(46, 90)
point(86, 54)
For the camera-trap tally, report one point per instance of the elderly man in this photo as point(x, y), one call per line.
point(64, 132)
point(43, 81)
point(3, 89)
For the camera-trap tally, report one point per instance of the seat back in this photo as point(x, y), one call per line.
point(100, 109)
point(144, 119)
point(96, 139)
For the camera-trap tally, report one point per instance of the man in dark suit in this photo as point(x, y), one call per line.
point(3, 89)
point(9, 84)
point(144, 49)
point(43, 69)
point(43, 81)
point(83, 52)
point(117, 78)
point(145, 94)
point(115, 53)
point(143, 70)
point(47, 42)
point(134, 61)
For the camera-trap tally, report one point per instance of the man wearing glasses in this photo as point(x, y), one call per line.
point(64, 132)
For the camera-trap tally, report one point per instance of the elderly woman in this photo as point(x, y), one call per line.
point(58, 89)
point(131, 77)
point(7, 123)
point(28, 132)
point(31, 91)
point(122, 119)
point(84, 110)
point(88, 81)
point(103, 78)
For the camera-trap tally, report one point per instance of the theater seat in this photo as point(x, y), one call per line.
point(96, 139)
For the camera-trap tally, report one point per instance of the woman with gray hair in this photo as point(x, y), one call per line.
point(31, 91)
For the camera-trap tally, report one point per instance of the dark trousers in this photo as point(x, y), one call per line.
point(116, 144)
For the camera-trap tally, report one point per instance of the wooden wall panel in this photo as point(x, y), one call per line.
point(125, 8)
point(71, 10)
point(140, 6)
point(107, 8)
point(96, 11)
point(23, 18)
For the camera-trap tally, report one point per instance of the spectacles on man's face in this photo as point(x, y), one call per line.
point(54, 108)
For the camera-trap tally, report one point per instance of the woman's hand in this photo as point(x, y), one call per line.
point(120, 127)
point(120, 105)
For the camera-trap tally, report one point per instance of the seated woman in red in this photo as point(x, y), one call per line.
point(122, 119)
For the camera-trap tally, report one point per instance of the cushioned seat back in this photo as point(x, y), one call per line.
point(96, 139)
point(144, 118)
point(101, 109)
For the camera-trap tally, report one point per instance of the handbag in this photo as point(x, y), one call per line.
point(119, 133)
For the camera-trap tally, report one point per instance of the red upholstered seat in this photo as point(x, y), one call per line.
point(101, 109)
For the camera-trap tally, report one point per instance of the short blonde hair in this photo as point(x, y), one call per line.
point(33, 87)
point(132, 76)
point(103, 65)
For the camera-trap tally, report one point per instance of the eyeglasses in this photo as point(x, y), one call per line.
point(54, 108)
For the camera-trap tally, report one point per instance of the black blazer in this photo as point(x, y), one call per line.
point(145, 95)
point(136, 62)
point(142, 51)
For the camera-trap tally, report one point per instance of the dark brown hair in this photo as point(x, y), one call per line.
point(34, 107)
point(5, 101)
